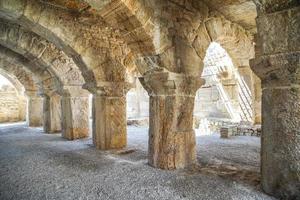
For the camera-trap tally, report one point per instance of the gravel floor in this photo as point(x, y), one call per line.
point(38, 166)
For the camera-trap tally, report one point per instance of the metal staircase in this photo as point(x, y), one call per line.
point(233, 113)
point(245, 99)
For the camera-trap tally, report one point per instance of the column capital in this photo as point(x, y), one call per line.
point(32, 93)
point(112, 89)
point(272, 6)
point(74, 91)
point(278, 70)
point(48, 93)
point(169, 83)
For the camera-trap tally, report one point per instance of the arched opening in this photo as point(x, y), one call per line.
point(137, 110)
point(12, 101)
point(137, 104)
point(227, 96)
point(226, 139)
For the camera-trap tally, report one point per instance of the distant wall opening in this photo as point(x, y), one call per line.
point(225, 97)
point(12, 102)
point(137, 105)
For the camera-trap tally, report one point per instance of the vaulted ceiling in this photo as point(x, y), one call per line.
point(242, 12)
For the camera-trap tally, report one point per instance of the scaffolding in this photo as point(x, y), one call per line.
point(218, 61)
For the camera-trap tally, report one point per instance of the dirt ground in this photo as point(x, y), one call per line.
point(34, 165)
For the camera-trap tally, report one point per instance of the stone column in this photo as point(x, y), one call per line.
point(277, 63)
point(75, 114)
point(22, 107)
point(257, 100)
point(34, 109)
point(52, 113)
point(172, 142)
point(109, 116)
point(46, 113)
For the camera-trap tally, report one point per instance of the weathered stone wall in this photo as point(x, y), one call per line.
point(208, 102)
point(12, 105)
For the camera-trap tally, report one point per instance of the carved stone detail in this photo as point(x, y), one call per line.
point(109, 115)
point(171, 135)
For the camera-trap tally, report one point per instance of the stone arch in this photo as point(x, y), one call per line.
point(20, 88)
point(74, 102)
point(94, 47)
point(33, 85)
point(65, 31)
point(222, 77)
point(37, 79)
point(139, 28)
point(43, 78)
point(232, 37)
point(41, 52)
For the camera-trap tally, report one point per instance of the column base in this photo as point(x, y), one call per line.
point(75, 117)
point(109, 124)
point(35, 124)
point(177, 153)
point(75, 133)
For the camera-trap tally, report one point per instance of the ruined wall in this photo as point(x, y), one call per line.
point(208, 102)
point(12, 105)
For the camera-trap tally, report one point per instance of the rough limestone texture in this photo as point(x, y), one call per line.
point(52, 113)
point(12, 105)
point(109, 123)
point(171, 134)
point(34, 110)
point(74, 48)
point(277, 64)
point(280, 149)
point(75, 115)
point(109, 116)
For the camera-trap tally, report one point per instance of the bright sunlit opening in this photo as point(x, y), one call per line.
point(4, 81)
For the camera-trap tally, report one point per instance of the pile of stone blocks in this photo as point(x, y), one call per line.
point(227, 131)
point(240, 130)
point(253, 130)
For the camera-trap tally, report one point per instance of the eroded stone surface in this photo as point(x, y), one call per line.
point(277, 64)
point(109, 116)
point(35, 109)
point(66, 47)
point(75, 113)
point(13, 105)
point(52, 113)
point(171, 134)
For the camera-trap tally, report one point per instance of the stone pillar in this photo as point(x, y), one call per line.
point(257, 100)
point(46, 113)
point(52, 113)
point(277, 63)
point(109, 116)
point(172, 142)
point(34, 109)
point(75, 114)
point(22, 107)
